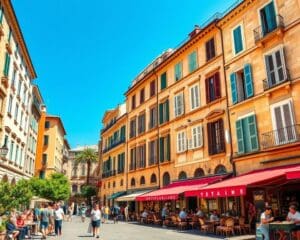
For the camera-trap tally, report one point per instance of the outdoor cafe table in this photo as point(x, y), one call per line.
point(285, 226)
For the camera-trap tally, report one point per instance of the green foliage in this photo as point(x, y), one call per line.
point(88, 191)
point(88, 155)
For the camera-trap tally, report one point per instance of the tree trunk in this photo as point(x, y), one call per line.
point(88, 173)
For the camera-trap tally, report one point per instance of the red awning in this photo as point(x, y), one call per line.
point(237, 186)
point(172, 191)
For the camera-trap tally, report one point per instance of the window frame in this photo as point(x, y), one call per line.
point(241, 25)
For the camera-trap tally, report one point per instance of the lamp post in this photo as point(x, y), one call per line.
point(3, 150)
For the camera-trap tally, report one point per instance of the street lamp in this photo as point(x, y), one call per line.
point(3, 150)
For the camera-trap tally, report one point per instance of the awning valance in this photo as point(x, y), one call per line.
point(131, 196)
point(115, 195)
point(238, 186)
point(172, 191)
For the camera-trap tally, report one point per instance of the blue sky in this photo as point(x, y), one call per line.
point(87, 52)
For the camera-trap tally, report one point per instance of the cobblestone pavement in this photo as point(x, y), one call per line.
point(125, 231)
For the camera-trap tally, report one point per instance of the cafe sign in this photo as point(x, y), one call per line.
point(222, 192)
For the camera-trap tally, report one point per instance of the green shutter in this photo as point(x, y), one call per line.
point(238, 41)
point(161, 149)
point(123, 132)
point(253, 133)
point(192, 61)
point(168, 148)
point(270, 17)
point(163, 81)
point(6, 65)
point(178, 71)
point(248, 80)
point(167, 110)
point(1, 14)
point(161, 108)
point(233, 88)
point(240, 136)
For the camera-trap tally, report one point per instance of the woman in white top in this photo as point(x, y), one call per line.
point(96, 219)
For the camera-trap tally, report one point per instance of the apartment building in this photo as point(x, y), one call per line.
point(262, 69)
point(16, 95)
point(113, 154)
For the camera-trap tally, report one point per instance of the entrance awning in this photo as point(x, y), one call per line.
point(237, 186)
point(132, 196)
point(115, 195)
point(172, 191)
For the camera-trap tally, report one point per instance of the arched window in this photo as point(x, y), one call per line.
point(199, 172)
point(182, 175)
point(121, 182)
point(166, 179)
point(13, 181)
point(142, 181)
point(132, 183)
point(153, 178)
point(114, 184)
point(220, 169)
point(74, 188)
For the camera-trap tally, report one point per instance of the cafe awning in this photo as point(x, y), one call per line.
point(115, 195)
point(131, 196)
point(172, 191)
point(238, 186)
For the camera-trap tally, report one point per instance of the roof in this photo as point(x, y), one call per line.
point(60, 121)
point(18, 35)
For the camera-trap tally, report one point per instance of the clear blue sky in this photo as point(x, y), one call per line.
point(87, 52)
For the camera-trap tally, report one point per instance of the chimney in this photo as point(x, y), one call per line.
point(195, 31)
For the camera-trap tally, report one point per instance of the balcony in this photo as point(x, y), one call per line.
point(262, 34)
point(121, 171)
point(109, 174)
point(132, 167)
point(113, 145)
point(268, 84)
point(109, 125)
point(281, 137)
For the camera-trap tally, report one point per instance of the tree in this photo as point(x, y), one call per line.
point(88, 191)
point(87, 156)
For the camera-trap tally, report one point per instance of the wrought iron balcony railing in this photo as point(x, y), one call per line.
point(109, 174)
point(268, 84)
point(261, 32)
point(113, 145)
point(281, 136)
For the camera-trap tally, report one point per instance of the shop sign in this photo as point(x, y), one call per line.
point(223, 192)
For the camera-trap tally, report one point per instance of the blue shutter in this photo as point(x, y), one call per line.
point(238, 41)
point(240, 136)
point(271, 17)
point(233, 88)
point(248, 80)
point(253, 133)
point(192, 61)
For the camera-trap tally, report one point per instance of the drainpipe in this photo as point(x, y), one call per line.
point(127, 156)
point(227, 102)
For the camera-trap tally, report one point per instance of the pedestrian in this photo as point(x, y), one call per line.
point(96, 219)
point(36, 218)
point(83, 209)
point(106, 213)
point(294, 216)
point(265, 219)
point(51, 219)
point(44, 216)
point(58, 217)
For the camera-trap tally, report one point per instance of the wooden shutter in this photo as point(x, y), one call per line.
point(248, 80)
point(207, 90)
point(240, 136)
point(217, 85)
point(6, 65)
point(163, 81)
point(161, 149)
point(238, 42)
point(168, 157)
point(161, 112)
point(253, 133)
point(222, 135)
point(233, 85)
point(210, 136)
point(167, 110)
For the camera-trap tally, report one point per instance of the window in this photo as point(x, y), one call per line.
point(133, 128)
point(164, 149)
point(153, 117)
point(19, 87)
point(182, 175)
point(283, 122)
point(46, 140)
point(1, 14)
point(246, 133)
point(153, 152)
point(238, 39)
point(123, 133)
point(166, 179)
point(163, 81)
point(181, 142)
point(179, 104)
point(142, 123)
point(210, 49)
point(193, 63)
point(47, 124)
point(153, 178)
point(132, 183)
point(142, 96)
point(216, 142)
point(121, 162)
point(197, 139)
point(133, 102)
point(164, 112)
point(10, 104)
point(17, 154)
point(268, 18)
point(11, 150)
point(213, 88)
point(42, 174)
point(178, 71)
point(6, 65)
point(241, 84)
point(13, 78)
point(152, 88)
point(16, 112)
point(83, 170)
point(141, 156)
point(21, 119)
point(199, 172)
point(195, 96)
point(74, 188)
point(132, 159)
point(276, 69)
point(121, 182)
point(142, 181)
point(220, 169)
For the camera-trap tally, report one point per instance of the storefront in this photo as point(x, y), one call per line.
point(111, 198)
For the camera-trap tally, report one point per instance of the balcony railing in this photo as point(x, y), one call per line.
point(109, 174)
point(108, 126)
point(267, 83)
point(132, 167)
point(281, 136)
point(260, 32)
point(113, 145)
point(120, 171)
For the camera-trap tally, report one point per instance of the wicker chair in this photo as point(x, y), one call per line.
point(156, 220)
point(219, 229)
point(195, 222)
point(229, 227)
point(242, 227)
point(205, 227)
point(181, 224)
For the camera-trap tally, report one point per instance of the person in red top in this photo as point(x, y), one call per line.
point(22, 228)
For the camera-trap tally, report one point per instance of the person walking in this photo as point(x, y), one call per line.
point(82, 210)
point(126, 213)
point(96, 220)
point(44, 216)
point(106, 213)
point(58, 217)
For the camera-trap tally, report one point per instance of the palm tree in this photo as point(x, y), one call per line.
point(87, 156)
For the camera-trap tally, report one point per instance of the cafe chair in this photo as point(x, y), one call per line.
point(181, 224)
point(229, 227)
point(242, 227)
point(219, 229)
point(194, 223)
point(173, 221)
point(156, 220)
point(205, 227)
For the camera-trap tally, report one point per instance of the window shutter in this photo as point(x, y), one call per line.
point(167, 110)
point(248, 80)
point(207, 90)
point(163, 81)
point(271, 16)
point(161, 119)
point(217, 85)
point(6, 65)
point(168, 157)
point(161, 149)
point(238, 43)
point(209, 138)
point(176, 105)
point(233, 88)
point(240, 136)
point(270, 70)
point(123, 129)
point(253, 133)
